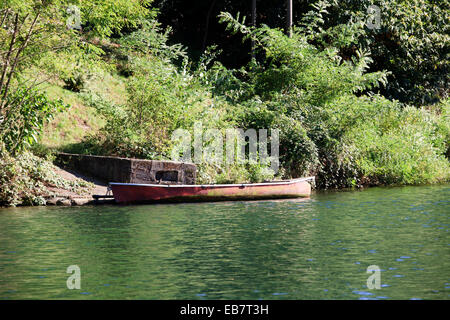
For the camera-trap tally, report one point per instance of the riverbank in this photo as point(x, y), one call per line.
point(29, 180)
point(64, 197)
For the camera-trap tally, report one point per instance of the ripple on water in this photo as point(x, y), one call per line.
point(178, 251)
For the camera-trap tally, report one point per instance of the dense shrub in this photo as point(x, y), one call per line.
point(395, 145)
point(316, 88)
point(25, 178)
point(329, 127)
point(26, 111)
point(331, 124)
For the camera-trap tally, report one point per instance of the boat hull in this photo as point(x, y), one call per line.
point(150, 193)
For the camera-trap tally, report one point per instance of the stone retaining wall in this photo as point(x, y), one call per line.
point(113, 169)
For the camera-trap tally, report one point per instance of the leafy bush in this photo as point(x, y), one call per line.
point(234, 173)
point(25, 179)
point(328, 126)
point(161, 98)
point(26, 111)
point(331, 124)
point(75, 83)
point(409, 151)
point(412, 42)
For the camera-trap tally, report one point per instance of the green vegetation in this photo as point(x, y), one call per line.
point(26, 179)
point(411, 40)
point(118, 87)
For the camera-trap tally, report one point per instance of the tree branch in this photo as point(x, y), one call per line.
point(4, 16)
point(8, 55)
point(24, 44)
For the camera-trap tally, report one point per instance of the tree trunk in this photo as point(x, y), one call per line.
point(208, 16)
point(289, 18)
point(254, 25)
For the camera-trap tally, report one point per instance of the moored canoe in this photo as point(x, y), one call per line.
point(148, 193)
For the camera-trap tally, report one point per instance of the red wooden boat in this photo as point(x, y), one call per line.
point(148, 193)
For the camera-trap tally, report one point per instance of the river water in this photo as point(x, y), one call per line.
point(318, 248)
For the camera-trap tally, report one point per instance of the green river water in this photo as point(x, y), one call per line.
point(317, 248)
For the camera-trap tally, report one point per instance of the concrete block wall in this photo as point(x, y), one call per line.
point(126, 170)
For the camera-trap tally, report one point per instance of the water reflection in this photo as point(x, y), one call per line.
point(318, 248)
